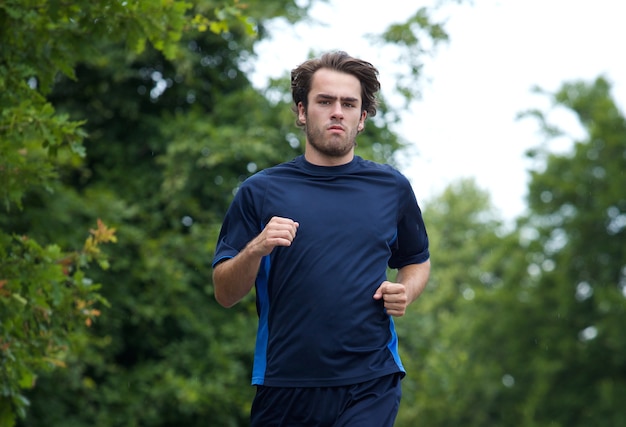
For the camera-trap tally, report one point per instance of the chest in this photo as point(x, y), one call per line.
point(354, 208)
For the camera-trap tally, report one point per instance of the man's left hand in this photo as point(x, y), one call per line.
point(394, 296)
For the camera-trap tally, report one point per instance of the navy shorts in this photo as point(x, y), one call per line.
point(373, 403)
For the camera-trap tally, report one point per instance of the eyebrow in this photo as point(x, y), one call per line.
point(331, 97)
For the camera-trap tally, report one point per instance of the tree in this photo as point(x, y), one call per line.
point(540, 343)
point(171, 126)
point(464, 233)
point(578, 268)
point(47, 299)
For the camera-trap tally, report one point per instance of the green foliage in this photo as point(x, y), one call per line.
point(525, 328)
point(46, 296)
point(139, 113)
point(415, 39)
point(47, 303)
point(463, 232)
point(145, 111)
point(41, 39)
point(580, 221)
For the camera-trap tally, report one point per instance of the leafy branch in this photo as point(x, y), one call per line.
point(47, 303)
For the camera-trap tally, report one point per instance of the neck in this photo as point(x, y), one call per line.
point(317, 158)
point(321, 160)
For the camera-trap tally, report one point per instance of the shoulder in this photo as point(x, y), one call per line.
point(266, 175)
point(383, 170)
point(370, 165)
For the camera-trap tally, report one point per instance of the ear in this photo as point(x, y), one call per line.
point(361, 124)
point(301, 113)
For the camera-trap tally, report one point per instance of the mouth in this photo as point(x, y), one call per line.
point(335, 128)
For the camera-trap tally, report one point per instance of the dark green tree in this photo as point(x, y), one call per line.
point(172, 126)
point(169, 139)
point(540, 341)
point(47, 296)
point(577, 264)
point(464, 231)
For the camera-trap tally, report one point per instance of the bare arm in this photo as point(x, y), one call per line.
point(235, 277)
point(410, 283)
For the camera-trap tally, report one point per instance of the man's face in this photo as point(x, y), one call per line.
point(334, 115)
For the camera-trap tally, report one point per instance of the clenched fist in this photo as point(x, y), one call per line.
point(278, 232)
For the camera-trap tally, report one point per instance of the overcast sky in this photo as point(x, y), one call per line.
point(465, 125)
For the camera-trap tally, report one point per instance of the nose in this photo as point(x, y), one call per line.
point(337, 111)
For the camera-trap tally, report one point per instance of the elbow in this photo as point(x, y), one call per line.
point(427, 269)
point(223, 300)
point(221, 294)
point(228, 287)
point(426, 272)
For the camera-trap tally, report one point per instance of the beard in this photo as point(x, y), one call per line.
point(333, 146)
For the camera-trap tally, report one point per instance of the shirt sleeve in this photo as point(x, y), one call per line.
point(241, 223)
point(411, 244)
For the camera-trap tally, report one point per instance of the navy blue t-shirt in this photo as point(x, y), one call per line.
point(318, 322)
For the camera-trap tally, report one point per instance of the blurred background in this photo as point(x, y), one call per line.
point(126, 128)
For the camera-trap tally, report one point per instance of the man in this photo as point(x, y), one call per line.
point(315, 236)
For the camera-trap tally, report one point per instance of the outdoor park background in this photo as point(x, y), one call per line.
point(125, 127)
point(466, 124)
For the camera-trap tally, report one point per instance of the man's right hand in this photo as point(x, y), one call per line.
point(278, 232)
point(234, 278)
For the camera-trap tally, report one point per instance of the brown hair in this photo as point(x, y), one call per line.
point(338, 61)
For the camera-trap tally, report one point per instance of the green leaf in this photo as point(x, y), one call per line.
point(19, 298)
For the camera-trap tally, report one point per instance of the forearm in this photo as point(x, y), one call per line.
point(414, 277)
point(234, 278)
